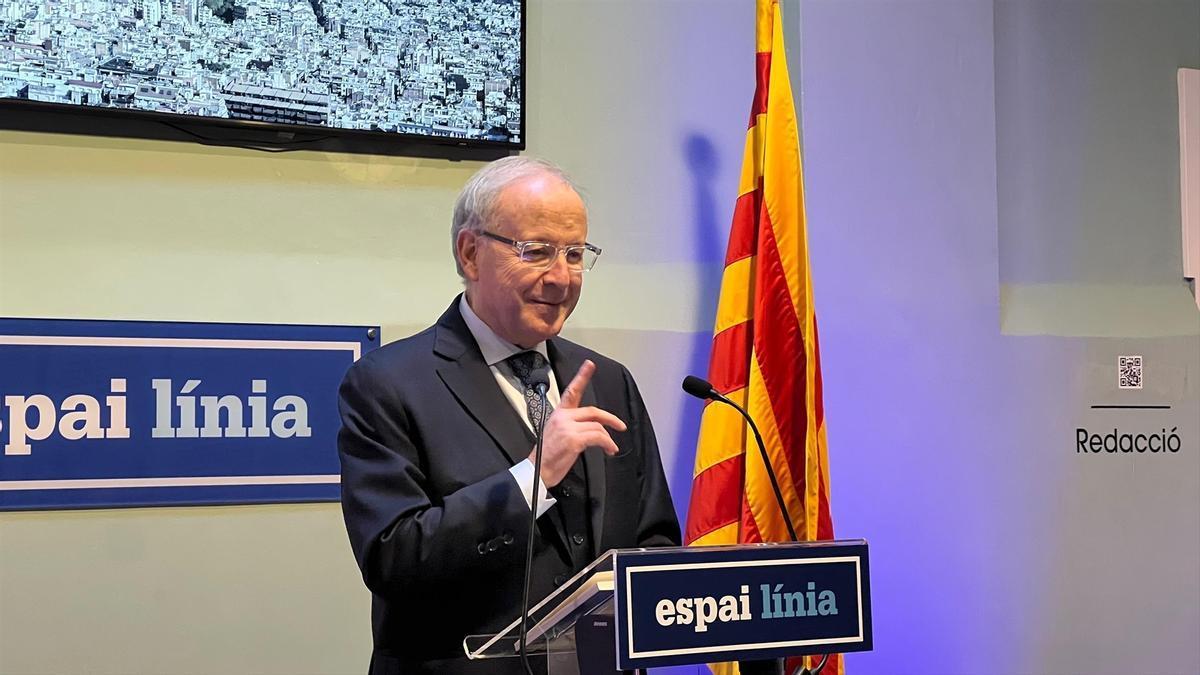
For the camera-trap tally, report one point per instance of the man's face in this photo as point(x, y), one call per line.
point(521, 303)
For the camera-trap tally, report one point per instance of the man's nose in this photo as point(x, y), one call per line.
point(559, 272)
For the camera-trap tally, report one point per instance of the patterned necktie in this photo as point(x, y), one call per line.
point(523, 365)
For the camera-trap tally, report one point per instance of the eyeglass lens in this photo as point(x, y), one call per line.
point(539, 253)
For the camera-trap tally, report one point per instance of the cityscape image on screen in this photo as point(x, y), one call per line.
point(439, 68)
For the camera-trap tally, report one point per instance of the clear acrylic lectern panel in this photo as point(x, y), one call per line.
point(552, 621)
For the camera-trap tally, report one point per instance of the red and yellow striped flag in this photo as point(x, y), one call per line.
point(765, 355)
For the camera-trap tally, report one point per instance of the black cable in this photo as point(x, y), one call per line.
point(537, 479)
point(283, 146)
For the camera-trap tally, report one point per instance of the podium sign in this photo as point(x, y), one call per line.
point(678, 606)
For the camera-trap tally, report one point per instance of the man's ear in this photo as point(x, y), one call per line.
point(467, 248)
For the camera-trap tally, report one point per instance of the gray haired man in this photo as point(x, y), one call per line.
point(437, 435)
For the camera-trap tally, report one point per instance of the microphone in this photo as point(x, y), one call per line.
point(540, 379)
point(703, 389)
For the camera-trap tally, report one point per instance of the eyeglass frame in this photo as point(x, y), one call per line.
point(519, 247)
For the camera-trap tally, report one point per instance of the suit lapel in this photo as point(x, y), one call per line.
point(473, 384)
point(566, 362)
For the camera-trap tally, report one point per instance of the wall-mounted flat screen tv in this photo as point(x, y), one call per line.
point(440, 71)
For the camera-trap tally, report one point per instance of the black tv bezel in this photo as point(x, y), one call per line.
point(39, 116)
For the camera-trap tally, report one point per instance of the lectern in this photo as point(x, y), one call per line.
point(639, 608)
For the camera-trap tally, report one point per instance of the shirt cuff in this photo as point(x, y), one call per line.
point(522, 472)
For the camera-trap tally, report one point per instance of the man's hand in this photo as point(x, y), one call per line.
point(570, 429)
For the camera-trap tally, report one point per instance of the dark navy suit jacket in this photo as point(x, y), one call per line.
point(437, 523)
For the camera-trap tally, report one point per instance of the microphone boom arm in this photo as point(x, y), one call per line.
point(762, 449)
point(703, 389)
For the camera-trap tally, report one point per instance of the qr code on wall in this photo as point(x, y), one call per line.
point(1129, 372)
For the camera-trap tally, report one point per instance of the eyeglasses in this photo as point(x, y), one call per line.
point(541, 255)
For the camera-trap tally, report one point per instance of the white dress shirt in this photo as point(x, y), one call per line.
point(496, 351)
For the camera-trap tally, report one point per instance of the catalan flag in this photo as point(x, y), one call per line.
point(765, 355)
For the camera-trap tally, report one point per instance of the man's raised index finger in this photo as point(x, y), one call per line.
point(574, 392)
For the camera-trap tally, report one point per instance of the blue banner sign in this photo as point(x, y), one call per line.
point(679, 606)
point(124, 413)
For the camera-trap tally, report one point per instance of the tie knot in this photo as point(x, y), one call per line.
point(525, 363)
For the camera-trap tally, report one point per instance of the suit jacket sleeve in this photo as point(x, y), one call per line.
point(657, 523)
point(408, 542)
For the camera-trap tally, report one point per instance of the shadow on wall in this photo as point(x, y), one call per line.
point(703, 163)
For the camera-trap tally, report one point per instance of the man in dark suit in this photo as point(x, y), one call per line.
point(437, 436)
